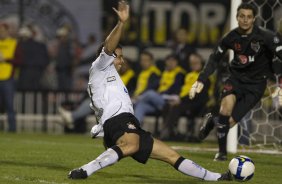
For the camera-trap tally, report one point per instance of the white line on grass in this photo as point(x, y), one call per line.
point(37, 181)
point(262, 151)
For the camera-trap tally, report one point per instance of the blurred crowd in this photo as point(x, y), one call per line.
point(157, 87)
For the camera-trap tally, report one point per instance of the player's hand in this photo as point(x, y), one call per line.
point(97, 131)
point(122, 11)
point(197, 87)
point(277, 94)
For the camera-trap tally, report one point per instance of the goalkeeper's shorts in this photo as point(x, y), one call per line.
point(247, 95)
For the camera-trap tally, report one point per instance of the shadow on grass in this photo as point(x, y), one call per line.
point(139, 178)
point(25, 164)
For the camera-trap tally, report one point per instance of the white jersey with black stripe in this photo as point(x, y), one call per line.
point(109, 96)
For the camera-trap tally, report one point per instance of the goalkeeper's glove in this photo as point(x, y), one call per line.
point(97, 131)
point(277, 94)
point(197, 87)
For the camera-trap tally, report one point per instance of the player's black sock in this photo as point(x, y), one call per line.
point(222, 131)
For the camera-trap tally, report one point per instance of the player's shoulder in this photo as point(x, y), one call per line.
point(232, 34)
point(265, 33)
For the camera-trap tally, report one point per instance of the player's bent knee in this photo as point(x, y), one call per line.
point(128, 148)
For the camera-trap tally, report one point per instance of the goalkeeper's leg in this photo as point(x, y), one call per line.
point(223, 124)
point(207, 127)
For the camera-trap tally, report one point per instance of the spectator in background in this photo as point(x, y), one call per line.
point(64, 59)
point(170, 84)
point(10, 58)
point(35, 61)
point(128, 76)
point(149, 76)
point(89, 51)
point(181, 48)
point(182, 105)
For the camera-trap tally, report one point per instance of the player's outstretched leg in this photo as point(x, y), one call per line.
point(126, 145)
point(164, 153)
point(207, 126)
point(109, 157)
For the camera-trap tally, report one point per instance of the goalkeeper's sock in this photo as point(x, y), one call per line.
point(190, 168)
point(222, 131)
point(109, 157)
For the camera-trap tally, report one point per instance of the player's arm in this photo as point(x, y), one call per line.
point(113, 38)
point(209, 68)
point(275, 45)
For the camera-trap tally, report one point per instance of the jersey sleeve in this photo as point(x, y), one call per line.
point(278, 46)
point(214, 59)
point(274, 43)
point(104, 60)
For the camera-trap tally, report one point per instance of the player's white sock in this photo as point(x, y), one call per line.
point(109, 157)
point(190, 168)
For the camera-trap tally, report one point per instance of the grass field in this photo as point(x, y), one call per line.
point(47, 159)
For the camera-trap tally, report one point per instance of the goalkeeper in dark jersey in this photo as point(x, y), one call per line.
point(254, 49)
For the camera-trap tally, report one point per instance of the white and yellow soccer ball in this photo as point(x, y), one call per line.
point(242, 168)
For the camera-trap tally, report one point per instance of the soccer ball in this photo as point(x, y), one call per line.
point(242, 168)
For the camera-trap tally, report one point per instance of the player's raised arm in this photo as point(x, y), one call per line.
point(113, 38)
point(209, 68)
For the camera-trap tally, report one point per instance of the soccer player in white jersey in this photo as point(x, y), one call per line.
point(113, 109)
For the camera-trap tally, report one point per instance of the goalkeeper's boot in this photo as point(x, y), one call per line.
point(227, 176)
point(220, 157)
point(207, 127)
point(77, 174)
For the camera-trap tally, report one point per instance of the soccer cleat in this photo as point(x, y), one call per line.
point(77, 174)
point(227, 176)
point(207, 127)
point(220, 157)
point(66, 115)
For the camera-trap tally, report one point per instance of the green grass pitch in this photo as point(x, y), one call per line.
point(47, 159)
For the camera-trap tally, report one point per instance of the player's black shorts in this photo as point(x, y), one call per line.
point(247, 95)
point(116, 126)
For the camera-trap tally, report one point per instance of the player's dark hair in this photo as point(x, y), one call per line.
point(100, 48)
point(247, 6)
point(148, 53)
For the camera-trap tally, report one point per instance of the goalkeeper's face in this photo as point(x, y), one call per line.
point(246, 19)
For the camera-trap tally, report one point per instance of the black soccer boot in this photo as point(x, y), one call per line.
point(207, 127)
point(77, 174)
point(227, 176)
point(220, 157)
